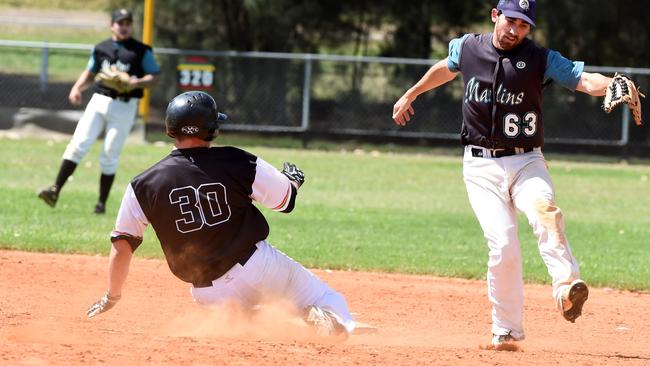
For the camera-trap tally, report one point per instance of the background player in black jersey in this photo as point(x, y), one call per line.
point(199, 201)
point(503, 166)
point(108, 110)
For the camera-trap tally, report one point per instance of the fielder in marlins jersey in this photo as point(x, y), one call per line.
point(503, 166)
point(199, 201)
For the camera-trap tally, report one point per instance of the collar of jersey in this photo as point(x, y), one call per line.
point(177, 152)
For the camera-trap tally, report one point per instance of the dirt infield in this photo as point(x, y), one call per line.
point(421, 319)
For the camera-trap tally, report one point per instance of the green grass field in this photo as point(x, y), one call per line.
point(378, 211)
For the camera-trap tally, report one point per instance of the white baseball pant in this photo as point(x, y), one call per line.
point(103, 112)
point(271, 274)
point(497, 188)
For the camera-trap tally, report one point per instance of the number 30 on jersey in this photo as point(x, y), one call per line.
point(206, 205)
point(514, 125)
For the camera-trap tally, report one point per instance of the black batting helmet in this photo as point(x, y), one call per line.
point(193, 113)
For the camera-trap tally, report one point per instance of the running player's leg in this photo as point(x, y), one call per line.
point(120, 119)
point(533, 194)
point(487, 189)
point(88, 129)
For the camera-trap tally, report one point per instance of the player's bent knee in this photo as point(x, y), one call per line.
point(550, 216)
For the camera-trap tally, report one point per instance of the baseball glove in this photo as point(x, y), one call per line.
point(115, 79)
point(623, 90)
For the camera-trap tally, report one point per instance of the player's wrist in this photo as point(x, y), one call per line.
point(295, 184)
point(410, 95)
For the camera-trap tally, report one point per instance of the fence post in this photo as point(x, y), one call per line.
point(306, 98)
point(306, 95)
point(147, 37)
point(625, 124)
point(44, 66)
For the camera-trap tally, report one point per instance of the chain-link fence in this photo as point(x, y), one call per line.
point(300, 93)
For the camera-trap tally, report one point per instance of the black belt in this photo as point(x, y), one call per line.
point(499, 153)
point(113, 94)
point(242, 259)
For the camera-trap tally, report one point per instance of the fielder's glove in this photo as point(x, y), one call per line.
point(293, 173)
point(622, 90)
point(105, 303)
point(115, 79)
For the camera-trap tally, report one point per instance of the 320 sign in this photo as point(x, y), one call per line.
point(195, 76)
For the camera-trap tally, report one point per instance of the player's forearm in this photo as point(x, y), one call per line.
point(118, 267)
point(437, 75)
point(84, 81)
point(593, 83)
point(143, 82)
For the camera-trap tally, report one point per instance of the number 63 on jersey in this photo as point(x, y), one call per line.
point(514, 125)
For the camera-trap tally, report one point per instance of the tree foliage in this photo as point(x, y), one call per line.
point(601, 32)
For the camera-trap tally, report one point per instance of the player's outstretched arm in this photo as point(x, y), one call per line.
point(118, 269)
point(437, 75)
point(593, 83)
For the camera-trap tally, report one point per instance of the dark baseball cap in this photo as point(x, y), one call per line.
point(520, 9)
point(121, 14)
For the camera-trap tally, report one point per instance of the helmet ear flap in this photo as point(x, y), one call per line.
point(170, 133)
point(212, 134)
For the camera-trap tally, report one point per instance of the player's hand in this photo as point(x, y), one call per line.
point(112, 78)
point(402, 111)
point(294, 174)
point(132, 83)
point(75, 96)
point(105, 303)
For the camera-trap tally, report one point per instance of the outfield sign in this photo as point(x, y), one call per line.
point(195, 73)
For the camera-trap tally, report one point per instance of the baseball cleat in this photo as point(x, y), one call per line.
point(50, 195)
point(573, 299)
point(100, 208)
point(504, 342)
point(499, 339)
point(323, 322)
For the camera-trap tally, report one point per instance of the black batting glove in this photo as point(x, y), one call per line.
point(293, 173)
point(105, 303)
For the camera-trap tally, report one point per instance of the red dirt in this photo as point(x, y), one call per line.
point(421, 320)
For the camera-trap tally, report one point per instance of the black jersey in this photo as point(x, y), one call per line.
point(502, 105)
point(199, 202)
point(127, 57)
